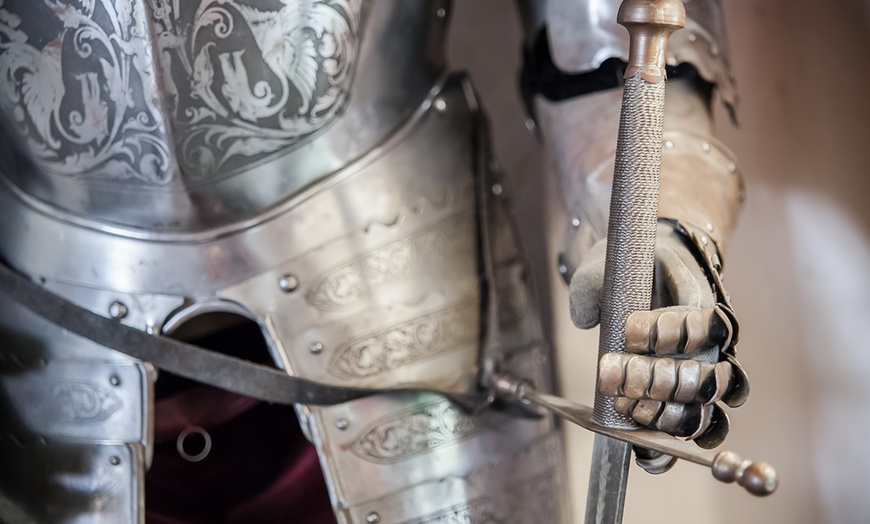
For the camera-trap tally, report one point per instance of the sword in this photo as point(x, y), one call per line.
point(631, 233)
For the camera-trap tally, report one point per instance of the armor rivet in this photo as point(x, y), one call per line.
point(575, 222)
point(315, 347)
point(441, 12)
point(115, 460)
point(709, 227)
point(288, 283)
point(497, 189)
point(563, 269)
point(732, 168)
point(149, 328)
point(669, 144)
point(342, 424)
point(704, 240)
point(530, 125)
point(714, 50)
point(692, 37)
point(118, 310)
point(115, 380)
point(373, 518)
point(440, 105)
point(705, 147)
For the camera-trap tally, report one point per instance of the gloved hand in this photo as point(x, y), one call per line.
point(679, 359)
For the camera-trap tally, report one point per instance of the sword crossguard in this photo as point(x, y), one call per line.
point(650, 24)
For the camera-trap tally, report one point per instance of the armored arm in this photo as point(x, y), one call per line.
point(683, 361)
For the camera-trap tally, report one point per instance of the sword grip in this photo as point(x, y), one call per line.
point(631, 232)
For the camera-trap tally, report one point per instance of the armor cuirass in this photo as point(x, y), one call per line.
point(305, 164)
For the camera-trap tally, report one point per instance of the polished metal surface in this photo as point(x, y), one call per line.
point(76, 424)
point(585, 34)
point(369, 279)
point(175, 117)
point(701, 179)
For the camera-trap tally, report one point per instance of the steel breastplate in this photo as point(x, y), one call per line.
point(370, 277)
point(166, 116)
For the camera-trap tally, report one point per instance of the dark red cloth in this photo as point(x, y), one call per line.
point(260, 469)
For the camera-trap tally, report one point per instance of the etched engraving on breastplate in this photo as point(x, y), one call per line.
point(83, 402)
point(446, 330)
point(399, 261)
point(411, 433)
point(480, 511)
point(94, 86)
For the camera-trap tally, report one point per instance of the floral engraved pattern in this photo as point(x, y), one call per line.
point(399, 261)
point(83, 402)
point(416, 431)
point(476, 512)
point(93, 85)
point(404, 344)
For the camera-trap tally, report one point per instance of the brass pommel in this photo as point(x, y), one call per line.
point(650, 24)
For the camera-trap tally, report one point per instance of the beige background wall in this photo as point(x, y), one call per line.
point(797, 269)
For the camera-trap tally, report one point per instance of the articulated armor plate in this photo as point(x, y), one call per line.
point(585, 34)
point(298, 165)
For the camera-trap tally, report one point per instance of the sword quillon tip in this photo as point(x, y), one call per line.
point(758, 478)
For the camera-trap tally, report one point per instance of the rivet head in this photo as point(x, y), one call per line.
point(115, 380)
point(692, 37)
point(714, 50)
point(575, 222)
point(342, 424)
point(705, 147)
point(669, 144)
point(497, 189)
point(440, 105)
point(288, 283)
point(115, 460)
point(530, 125)
point(373, 518)
point(563, 269)
point(732, 168)
point(704, 240)
point(118, 310)
point(709, 227)
point(441, 12)
point(315, 347)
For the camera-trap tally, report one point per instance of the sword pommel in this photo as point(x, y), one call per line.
point(650, 24)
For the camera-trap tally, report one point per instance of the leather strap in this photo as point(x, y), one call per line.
point(208, 367)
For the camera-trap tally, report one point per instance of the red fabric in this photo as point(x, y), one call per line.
point(261, 469)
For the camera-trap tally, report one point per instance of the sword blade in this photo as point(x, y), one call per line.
point(608, 481)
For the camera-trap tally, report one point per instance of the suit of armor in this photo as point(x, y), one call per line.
point(310, 168)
